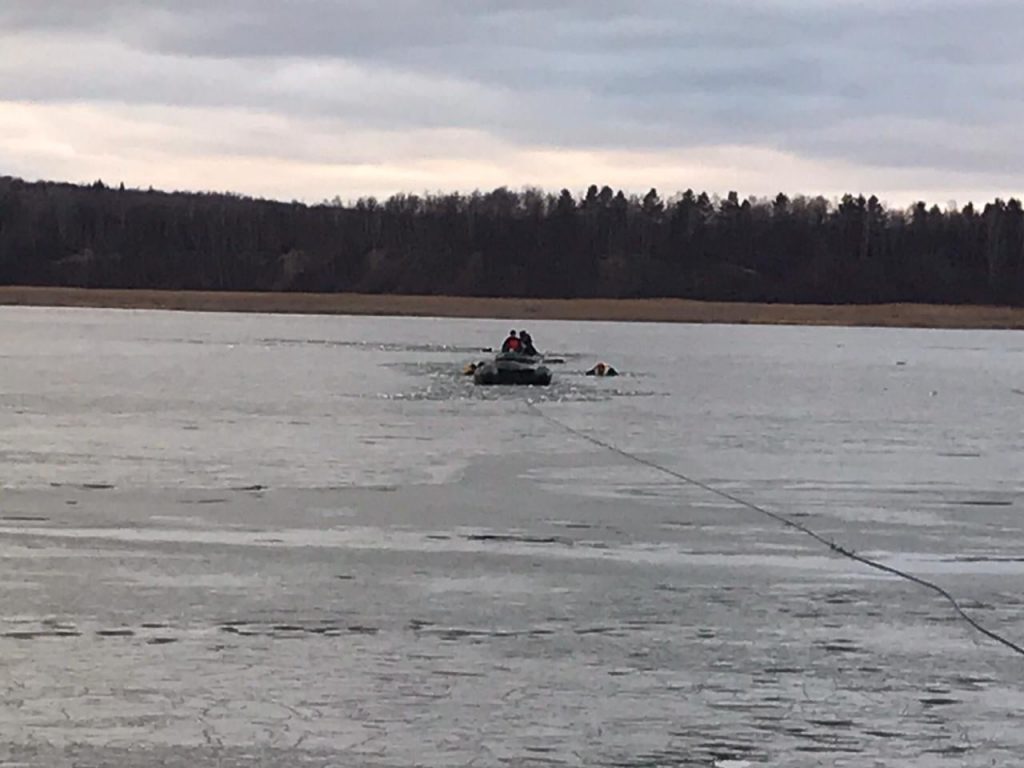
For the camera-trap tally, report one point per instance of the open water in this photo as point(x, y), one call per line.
point(232, 539)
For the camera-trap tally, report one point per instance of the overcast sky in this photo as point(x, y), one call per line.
point(309, 99)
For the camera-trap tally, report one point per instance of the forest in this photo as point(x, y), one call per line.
point(527, 243)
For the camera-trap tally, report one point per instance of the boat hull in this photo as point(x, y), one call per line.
point(512, 370)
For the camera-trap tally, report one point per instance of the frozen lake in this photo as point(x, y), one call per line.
point(285, 540)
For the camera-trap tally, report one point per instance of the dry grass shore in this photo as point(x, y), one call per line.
point(652, 310)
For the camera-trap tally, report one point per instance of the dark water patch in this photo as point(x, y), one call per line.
point(984, 503)
point(116, 632)
point(462, 633)
point(344, 576)
point(153, 625)
point(455, 633)
point(647, 623)
point(360, 629)
point(161, 640)
point(25, 518)
point(29, 634)
point(518, 538)
point(292, 630)
point(722, 599)
point(959, 454)
point(883, 734)
point(977, 605)
point(784, 671)
point(841, 598)
point(972, 682)
point(327, 629)
point(237, 630)
point(418, 656)
point(735, 705)
point(598, 631)
point(982, 559)
point(253, 487)
point(953, 750)
point(938, 701)
point(438, 536)
point(837, 642)
point(205, 501)
point(841, 647)
point(831, 722)
point(849, 749)
point(96, 486)
point(456, 673)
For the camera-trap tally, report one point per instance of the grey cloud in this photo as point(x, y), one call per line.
point(796, 75)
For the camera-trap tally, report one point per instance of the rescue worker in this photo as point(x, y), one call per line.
point(512, 344)
point(527, 344)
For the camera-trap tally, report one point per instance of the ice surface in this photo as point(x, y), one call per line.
point(255, 540)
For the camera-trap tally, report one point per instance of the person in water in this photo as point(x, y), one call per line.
point(602, 369)
point(527, 344)
point(512, 344)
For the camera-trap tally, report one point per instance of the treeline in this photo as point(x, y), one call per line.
point(507, 243)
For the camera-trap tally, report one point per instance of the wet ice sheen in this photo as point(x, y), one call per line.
point(247, 540)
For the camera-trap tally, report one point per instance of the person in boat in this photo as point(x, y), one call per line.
point(512, 343)
point(526, 340)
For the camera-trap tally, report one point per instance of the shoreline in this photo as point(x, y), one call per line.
point(615, 310)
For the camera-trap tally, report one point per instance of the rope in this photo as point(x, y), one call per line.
point(787, 521)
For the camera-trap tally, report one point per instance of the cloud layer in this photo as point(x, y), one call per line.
point(315, 98)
